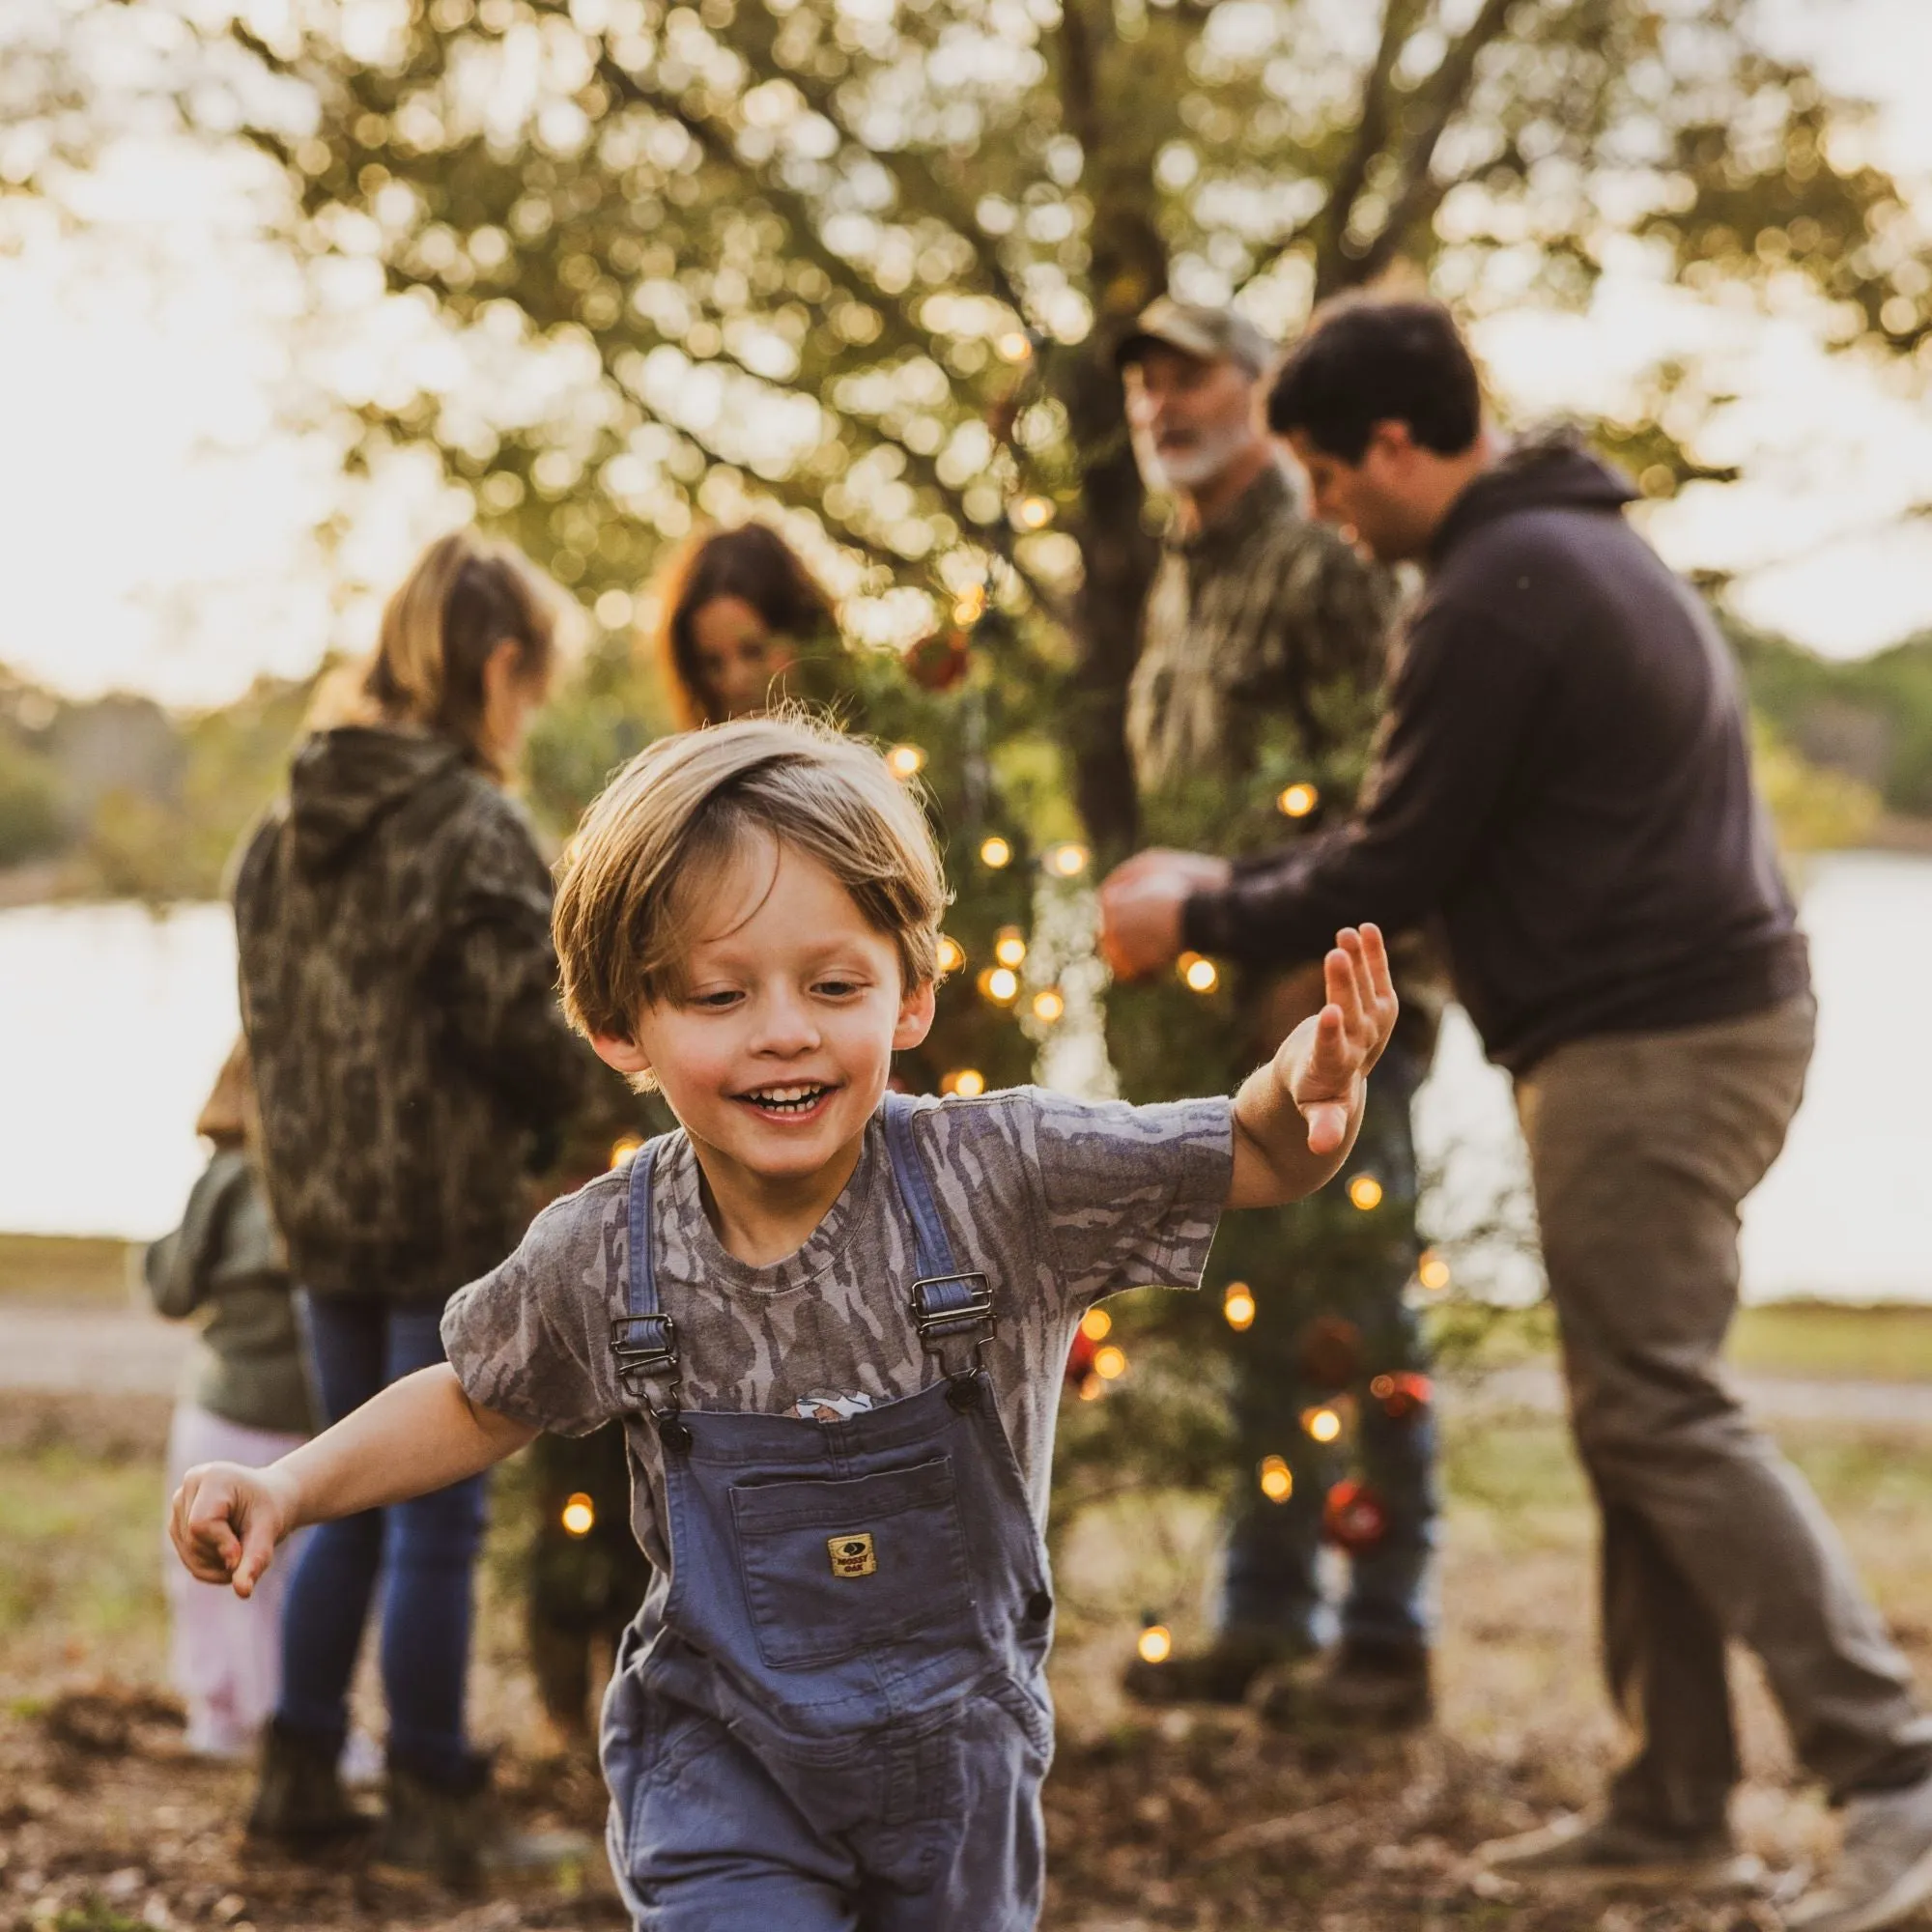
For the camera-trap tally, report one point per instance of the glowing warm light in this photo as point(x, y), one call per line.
point(1366, 1192)
point(1092, 1388)
point(1070, 861)
point(996, 852)
point(1049, 1005)
point(1277, 1479)
point(1433, 1271)
point(1382, 1387)
point(905, 761)
point(952, 954)
point(1299, 799)
point(623, 1149)
point(1198, 974)
point(1009, 946)
point(1238, 1306)
point(1001, 984)
point(1032, 513)
point(970, 606)
point(1156, 1645)
point(1323, 1424)
point(1096, 1325)
point(969, 1083)
point(580, 1514)
point(1013, 346)
point(1110, 1363)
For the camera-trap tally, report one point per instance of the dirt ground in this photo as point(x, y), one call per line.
point(1188, 1820)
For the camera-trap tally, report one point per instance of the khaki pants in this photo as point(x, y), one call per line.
point(1641, 1148)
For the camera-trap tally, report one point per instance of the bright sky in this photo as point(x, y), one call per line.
point(157, 511)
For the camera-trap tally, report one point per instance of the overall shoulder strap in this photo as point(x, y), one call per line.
point(644, 1339)
point(952, 1312)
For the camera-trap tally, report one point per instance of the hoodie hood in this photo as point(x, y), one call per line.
point(1549, 469)
point(344, 782)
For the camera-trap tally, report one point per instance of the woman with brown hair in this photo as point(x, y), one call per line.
point(398, 994)
point(745, 624)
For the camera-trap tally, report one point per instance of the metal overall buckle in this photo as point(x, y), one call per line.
point(947, 1308)
point(645, 1347)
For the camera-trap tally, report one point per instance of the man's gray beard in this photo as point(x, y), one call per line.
point(1190, 469)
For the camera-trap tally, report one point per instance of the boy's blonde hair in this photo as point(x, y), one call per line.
point(669, 824)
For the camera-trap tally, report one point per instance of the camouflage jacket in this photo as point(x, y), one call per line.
point(398, 991)
point(1264, 657)
point(1262, 623)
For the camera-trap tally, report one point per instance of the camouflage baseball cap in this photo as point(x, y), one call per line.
point(1209, 334)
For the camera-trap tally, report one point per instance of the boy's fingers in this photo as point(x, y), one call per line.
point(257, 1549)
point(1327, 1123)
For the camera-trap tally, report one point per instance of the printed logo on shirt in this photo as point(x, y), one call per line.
point(832, 1408)
point(852, 1554)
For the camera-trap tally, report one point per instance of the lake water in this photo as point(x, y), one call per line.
point(112, 1023)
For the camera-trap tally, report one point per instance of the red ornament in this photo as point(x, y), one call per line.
point(1353, 1517)
point(938, 661)
point(1403, 1395)
point(1080, 1358)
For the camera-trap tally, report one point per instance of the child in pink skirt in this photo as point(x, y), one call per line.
point(246, 1400)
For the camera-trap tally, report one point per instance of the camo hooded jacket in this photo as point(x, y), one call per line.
point(398, 991)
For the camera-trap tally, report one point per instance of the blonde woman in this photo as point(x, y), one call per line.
point(397, 992)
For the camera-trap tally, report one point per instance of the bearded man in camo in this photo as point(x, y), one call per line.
point(1256, 695)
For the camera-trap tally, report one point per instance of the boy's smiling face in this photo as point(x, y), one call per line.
point(777, 1049)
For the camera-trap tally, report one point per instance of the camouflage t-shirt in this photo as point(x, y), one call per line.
point(1058, 1202)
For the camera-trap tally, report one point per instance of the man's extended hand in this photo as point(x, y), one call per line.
point(1326, 1060)
point(1140, 904)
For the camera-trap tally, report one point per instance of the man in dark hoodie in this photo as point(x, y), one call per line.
point(1564, 784)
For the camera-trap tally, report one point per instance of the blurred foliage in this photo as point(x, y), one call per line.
point(870, 263)
point(1870, 720)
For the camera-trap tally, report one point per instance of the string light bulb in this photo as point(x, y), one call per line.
point(996, 852)
point(969, 1083)
point(1237, 1305)
point(905, 761)
point(1156, 1645)
point(1067, 860)
point(1277, 1479)
point(1092, 1388)
point(1010, 947)
point(952, 954)
point(1298, 801)
point(1096, 1325)
point(1013, 346)
point(1049, 1005)
point(1001, 984)
point(1198, 974)
point(1032, 513)
point(1365, 1191)
point(623, 1149)
point(580, 1514)
point(1434, 1272)
point(1323, 1425)
point(1110, 1363)
point(970, 606)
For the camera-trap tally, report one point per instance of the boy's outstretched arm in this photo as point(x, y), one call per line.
point(1297, 1118)
point(421, 1433)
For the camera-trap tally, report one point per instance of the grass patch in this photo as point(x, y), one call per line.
point(63, 1269)
point(79, 1553)
point(1885, 1343)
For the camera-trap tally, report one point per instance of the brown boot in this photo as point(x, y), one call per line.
point(1363, 1687)
point(1220, 1674)
point(299, 1802)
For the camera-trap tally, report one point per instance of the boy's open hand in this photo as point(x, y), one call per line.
point(226, 1520)
point(1325, 1059)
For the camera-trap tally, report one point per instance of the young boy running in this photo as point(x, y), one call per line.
point(833, 1320)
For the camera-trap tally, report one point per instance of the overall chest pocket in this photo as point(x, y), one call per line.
point(836, 1565)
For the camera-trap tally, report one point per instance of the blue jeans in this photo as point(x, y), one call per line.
point(426, 1549)
point(1352, 1276)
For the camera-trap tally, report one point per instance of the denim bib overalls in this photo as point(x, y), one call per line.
point(832, 1710)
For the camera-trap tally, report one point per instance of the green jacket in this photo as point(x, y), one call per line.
point(225, 1257)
